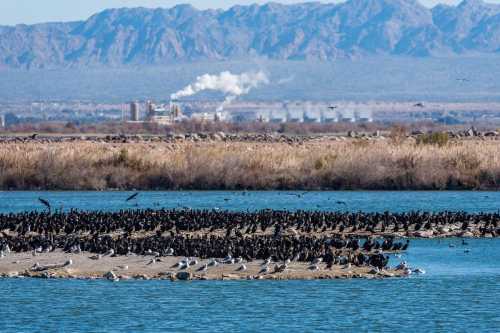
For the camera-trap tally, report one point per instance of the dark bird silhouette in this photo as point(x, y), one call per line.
point(45, 203)
point(333, 107)
point(419, 105)
point(33, 137)
point(341, 203)
point(132, 197)
point(298, 195)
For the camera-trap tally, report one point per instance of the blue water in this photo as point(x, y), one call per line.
point(345, 201)
point(459, 293)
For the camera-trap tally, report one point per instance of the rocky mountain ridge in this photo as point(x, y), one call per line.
point(308, 31)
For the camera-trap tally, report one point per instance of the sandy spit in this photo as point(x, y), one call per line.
point(86, 266)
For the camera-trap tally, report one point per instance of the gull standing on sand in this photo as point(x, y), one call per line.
point(317, 261)
point(264, 270)
point(402, 265)
point(203, 268)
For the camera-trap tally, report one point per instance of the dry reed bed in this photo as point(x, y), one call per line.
point(351, 164)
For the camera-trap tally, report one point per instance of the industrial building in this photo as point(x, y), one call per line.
point(329, 116)
point(156, 113)
point(278, 117)
point(276, 113)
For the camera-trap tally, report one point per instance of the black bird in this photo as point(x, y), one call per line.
point(341, 203)
point(419, 105)
point(132, 197)
point(44, 202)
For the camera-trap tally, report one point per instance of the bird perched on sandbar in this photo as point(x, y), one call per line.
point(203, 268)
point(317, 261)
point(264, 270)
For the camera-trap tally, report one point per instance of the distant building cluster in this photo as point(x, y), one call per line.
point(156, 113)
point(176, 111)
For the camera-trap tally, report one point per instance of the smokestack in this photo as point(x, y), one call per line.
point(134, 111)
point(175, 109)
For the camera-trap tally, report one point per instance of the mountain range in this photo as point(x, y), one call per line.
point(308, 31)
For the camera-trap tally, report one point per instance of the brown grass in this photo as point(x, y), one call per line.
point(351, 164)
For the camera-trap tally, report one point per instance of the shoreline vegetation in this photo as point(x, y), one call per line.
point(396, 161)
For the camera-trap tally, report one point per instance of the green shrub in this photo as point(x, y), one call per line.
point(437, 138)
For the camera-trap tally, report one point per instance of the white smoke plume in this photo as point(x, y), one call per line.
point(231, 85)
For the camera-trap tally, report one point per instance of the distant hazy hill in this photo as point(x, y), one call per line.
point(353, 29)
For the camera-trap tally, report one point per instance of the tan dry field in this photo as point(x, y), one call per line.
point(371, 164)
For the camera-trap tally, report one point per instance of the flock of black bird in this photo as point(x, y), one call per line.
point(335, 237)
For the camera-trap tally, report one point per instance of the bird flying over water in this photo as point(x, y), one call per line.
point(44, 202)
point(132, 197)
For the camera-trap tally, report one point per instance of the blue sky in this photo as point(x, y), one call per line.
point(33, 11)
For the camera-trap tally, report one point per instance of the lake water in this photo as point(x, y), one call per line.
point(459, 293)
point(350, 201)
